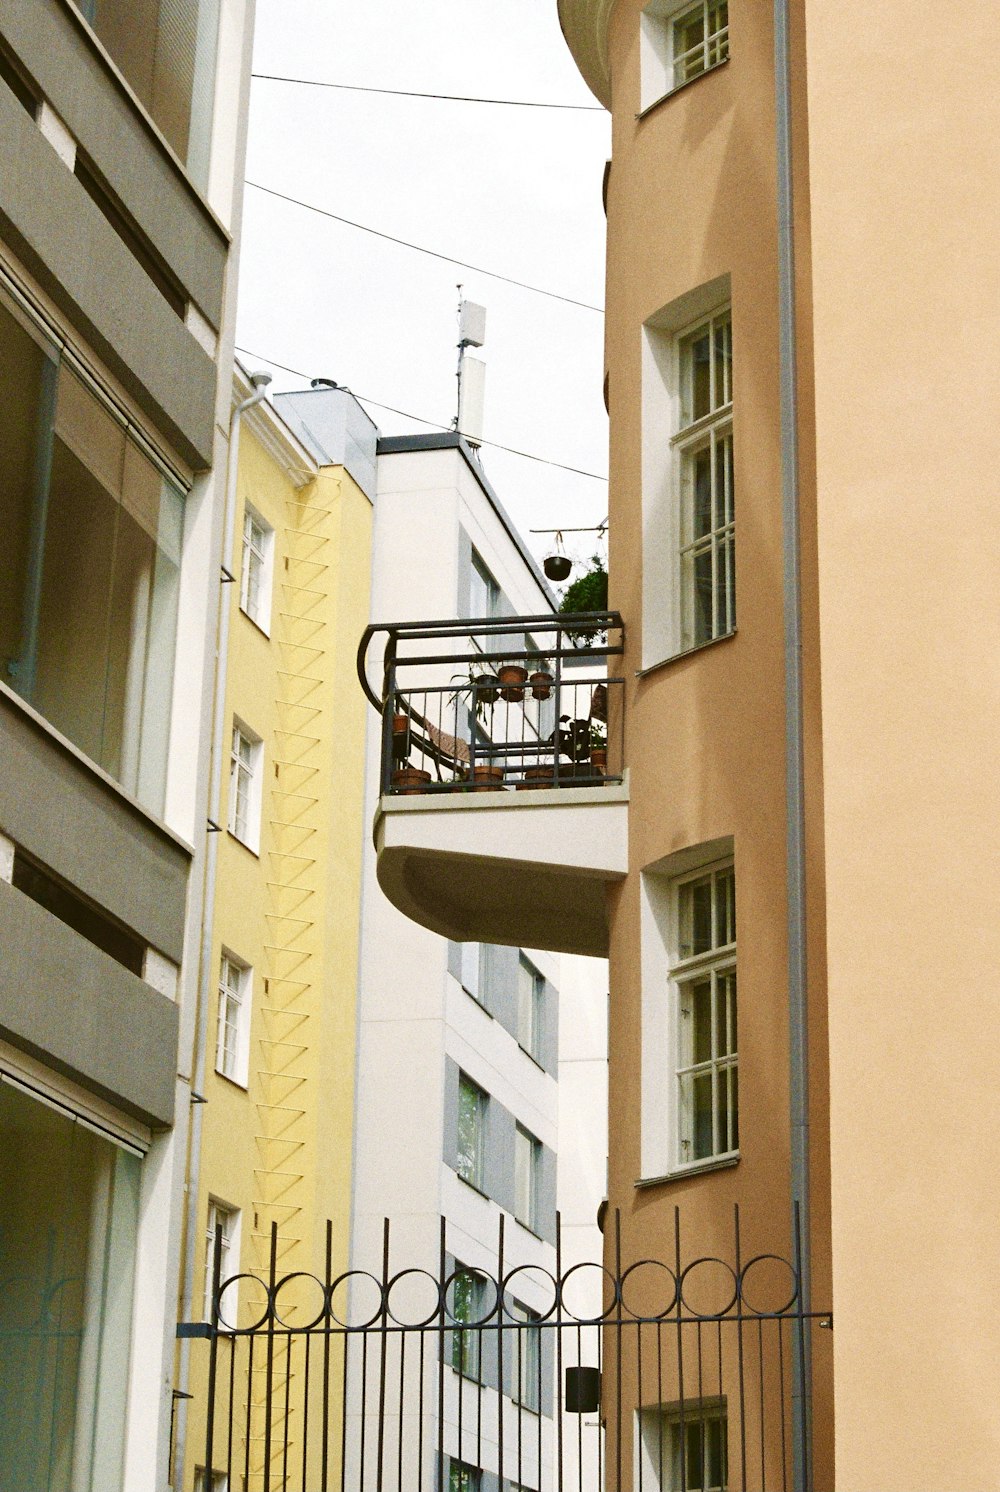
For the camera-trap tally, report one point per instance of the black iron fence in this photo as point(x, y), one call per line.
point(674, 1374)
point(499, 702)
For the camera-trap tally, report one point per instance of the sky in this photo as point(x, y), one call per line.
point(513, 190)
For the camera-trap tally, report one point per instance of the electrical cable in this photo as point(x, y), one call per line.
point(433, 424)
point(451, 98)
point(447, 258)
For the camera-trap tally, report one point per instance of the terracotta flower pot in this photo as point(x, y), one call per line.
point(487, 779)
point(512, 681)
point(536, 777)
point(599, 759)
point(541, 684)
point(410, 780)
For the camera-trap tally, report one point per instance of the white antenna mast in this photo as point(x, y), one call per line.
point(471, 370)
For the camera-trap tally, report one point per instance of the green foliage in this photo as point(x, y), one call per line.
point(588, 592)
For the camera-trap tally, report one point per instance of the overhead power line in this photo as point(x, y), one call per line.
point(432, 424)
point(404, 243)
point(451, 98)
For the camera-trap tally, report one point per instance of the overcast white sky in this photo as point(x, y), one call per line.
point(513, 190)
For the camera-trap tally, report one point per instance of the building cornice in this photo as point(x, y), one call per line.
point(585, 27)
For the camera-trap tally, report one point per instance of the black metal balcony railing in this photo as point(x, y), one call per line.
point(495, 703)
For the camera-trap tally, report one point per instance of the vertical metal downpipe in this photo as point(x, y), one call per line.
point(798, 1028)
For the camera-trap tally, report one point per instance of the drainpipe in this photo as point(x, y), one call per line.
point(260, 382)
point(798, 1029)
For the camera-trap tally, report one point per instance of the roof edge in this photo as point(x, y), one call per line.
point(585, 26)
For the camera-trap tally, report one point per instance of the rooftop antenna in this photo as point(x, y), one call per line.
point(471, 371)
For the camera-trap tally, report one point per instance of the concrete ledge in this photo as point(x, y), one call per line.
point(71, 1006)
point(528, 869)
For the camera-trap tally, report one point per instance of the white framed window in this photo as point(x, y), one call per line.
point(215, 1481)
point(464, 1478)
point(686, 1450)
point(679, 43)
point(704, 449)
point(468, 1295)
point(527, 1163)
point(245, 782)
point(525, 1355)
point(688, 496)
point(232, 1045)
point(220, 1214)
point(472, 1102)
point(703, 983)
point(530, 1007)
point(257, 569)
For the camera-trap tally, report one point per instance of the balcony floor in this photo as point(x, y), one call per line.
point(528, 869)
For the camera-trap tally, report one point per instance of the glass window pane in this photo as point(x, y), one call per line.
point(701, 1089)
point(699, 376)
point(701, 1021)
point(470, 1138)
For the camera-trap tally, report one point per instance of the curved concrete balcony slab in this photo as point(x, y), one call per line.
point(529, 868)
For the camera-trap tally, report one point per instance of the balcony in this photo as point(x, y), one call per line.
point(503, 809)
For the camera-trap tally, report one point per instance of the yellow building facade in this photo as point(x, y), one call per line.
point(272, 1164)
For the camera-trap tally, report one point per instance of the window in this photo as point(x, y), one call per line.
point(92, 550)
point(686, 1451)
point(530, 1001)
point(473, 972)
point(217, 1481)
point(245, 786)
point(167, 51)
point(526, 1355)
point(468, 1293)
point(232, 1047)
point(677, 45)
point(704, 980)
point(527, 1159)
point(70, 1229)
point(472, 1103)
point(704, 449)
point(484, 593)
point(256, 571)
point(228, 1218)
point(464, 1478)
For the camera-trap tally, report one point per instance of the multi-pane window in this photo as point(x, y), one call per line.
point(255, 574)
point(698, 1452)
point(699, 39)
point(704, 449)
point(468, 1293)
point(527, 1160)
point(530, 997)
point(244, 786)
point(231, 1047)
point(704, 978)
point(228, 1218)
point(526, 1354)
point(471, 1131)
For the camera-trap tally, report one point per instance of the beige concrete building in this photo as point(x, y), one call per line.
point(801, 286)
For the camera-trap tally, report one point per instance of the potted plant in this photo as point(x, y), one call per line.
point(407, 780)
point(481, 684)
point(540, 679)
point(588, 592)
point(599, 746)
point(513, 677)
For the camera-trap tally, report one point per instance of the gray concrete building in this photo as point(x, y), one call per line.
point(122, 135)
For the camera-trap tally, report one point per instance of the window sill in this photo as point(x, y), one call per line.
point(697, 1168)
point(713, 642)
point(681, 87)
point(255, 852)
point(532, 1058)
point(243, 1086)
point(472, 1186)
point(255, 623)
point(478, 1003)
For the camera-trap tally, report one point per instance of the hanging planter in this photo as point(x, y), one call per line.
point(513, 678)
point(541, 683)
point(558, 564)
